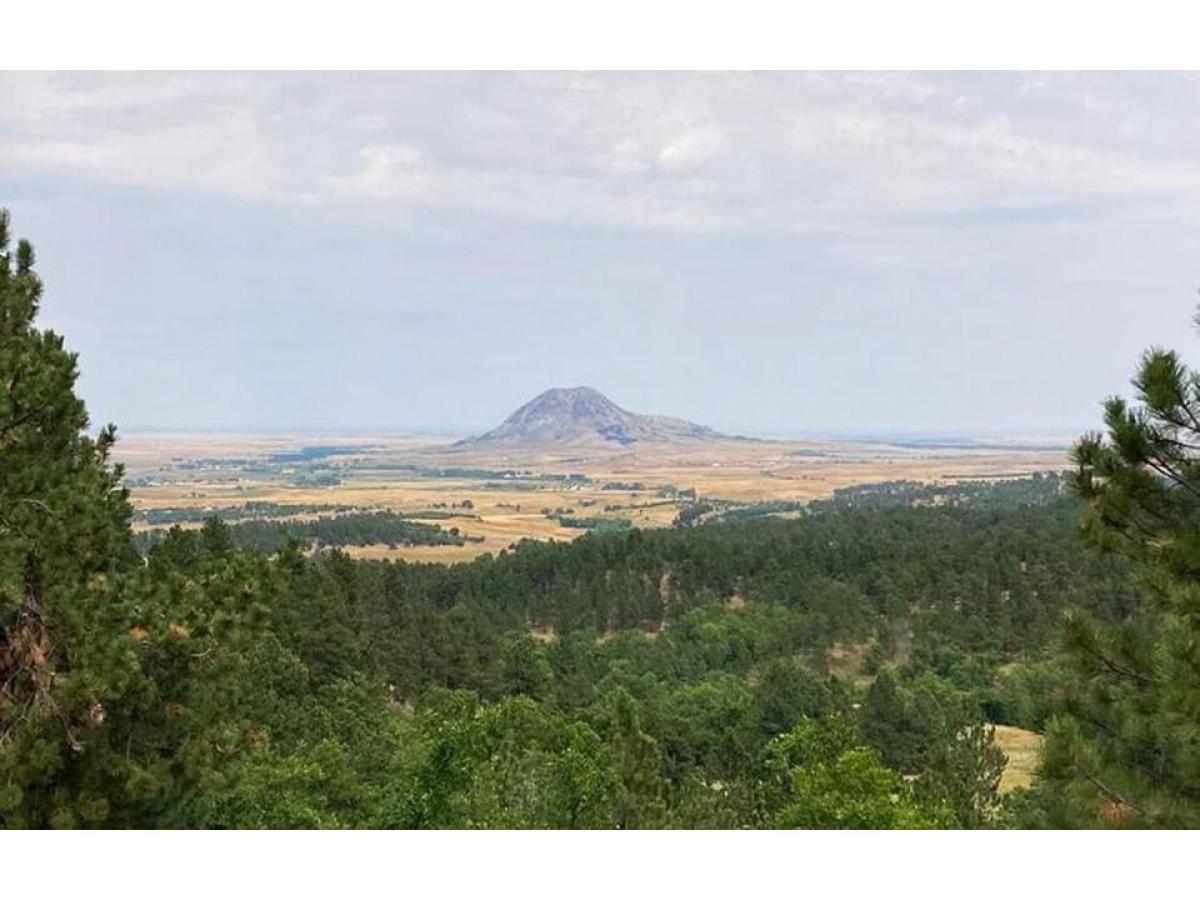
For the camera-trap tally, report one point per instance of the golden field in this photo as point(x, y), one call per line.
point(212, 472)
point(1023, 749)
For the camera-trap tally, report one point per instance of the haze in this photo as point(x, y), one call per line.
point(760, 253)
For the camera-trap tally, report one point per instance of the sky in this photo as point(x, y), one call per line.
point(764, 253)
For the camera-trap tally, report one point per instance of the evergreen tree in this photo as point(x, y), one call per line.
point(1125, 751)
point(927, 729)
point(63, 532)
point(640, 802)
point(964, 773)
point(117, 681)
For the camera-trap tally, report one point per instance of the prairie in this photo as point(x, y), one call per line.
point(499, 498)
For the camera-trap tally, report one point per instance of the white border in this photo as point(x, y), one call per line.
point(553, 34)
point(600, 865)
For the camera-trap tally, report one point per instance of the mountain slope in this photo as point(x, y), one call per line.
point(584, 415)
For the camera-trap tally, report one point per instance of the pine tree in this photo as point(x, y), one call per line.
point(63, 531)
point(1126, 749)
point(119, 683)
point(640, 802)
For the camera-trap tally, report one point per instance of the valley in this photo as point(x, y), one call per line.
point(566, 462)
point(500, 495)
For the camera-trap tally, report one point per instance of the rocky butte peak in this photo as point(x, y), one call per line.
point(584, 415)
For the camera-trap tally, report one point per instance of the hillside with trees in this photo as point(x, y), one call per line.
point(842, 668)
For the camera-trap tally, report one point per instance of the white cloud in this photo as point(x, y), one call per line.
point(692, 149)
point(387, 172)
point(634, 151)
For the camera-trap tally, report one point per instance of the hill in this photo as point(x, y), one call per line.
point(583, 415)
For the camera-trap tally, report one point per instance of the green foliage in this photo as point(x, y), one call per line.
point(641, 800)
point(601, 524)
point(255, 509)
point(338, 757)
point(347, 529)
point(63, 535)
point(510, 765)
point(962, 773)
point(905, 721)
point(927, 728)
point(820, 777)
point(708, 726)
point(1028, 694)
point(525, 668)
point(787, 693)
point(119, 685)
point(1125, 749)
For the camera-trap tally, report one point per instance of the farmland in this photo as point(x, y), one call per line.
point(497, 498)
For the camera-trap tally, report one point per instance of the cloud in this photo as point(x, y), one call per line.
point(387, 172)
point(703, 152)
point(692, 149)
point(790, 249)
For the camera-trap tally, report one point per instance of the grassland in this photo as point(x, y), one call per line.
point(497, 499)
point(1022, 749)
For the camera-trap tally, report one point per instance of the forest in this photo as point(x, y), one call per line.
point(236, 676)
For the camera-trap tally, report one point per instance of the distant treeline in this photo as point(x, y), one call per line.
point(1038, 490)
point(691, 514)
point(757, 510)
point(997, 495)
point(474, 473)
point(256, 509)
point(310, 454)
point(594, 523)
point(353, 529)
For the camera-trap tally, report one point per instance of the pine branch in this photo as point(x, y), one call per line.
point(1166, 471)
point(18, 421)
point(1118, 669)
point(1113, 795)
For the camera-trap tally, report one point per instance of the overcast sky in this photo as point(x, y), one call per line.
point(767, 253)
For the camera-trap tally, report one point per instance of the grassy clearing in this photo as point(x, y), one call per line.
point(1023, 749)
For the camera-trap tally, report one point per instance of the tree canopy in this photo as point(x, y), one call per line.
point(1125, 750)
